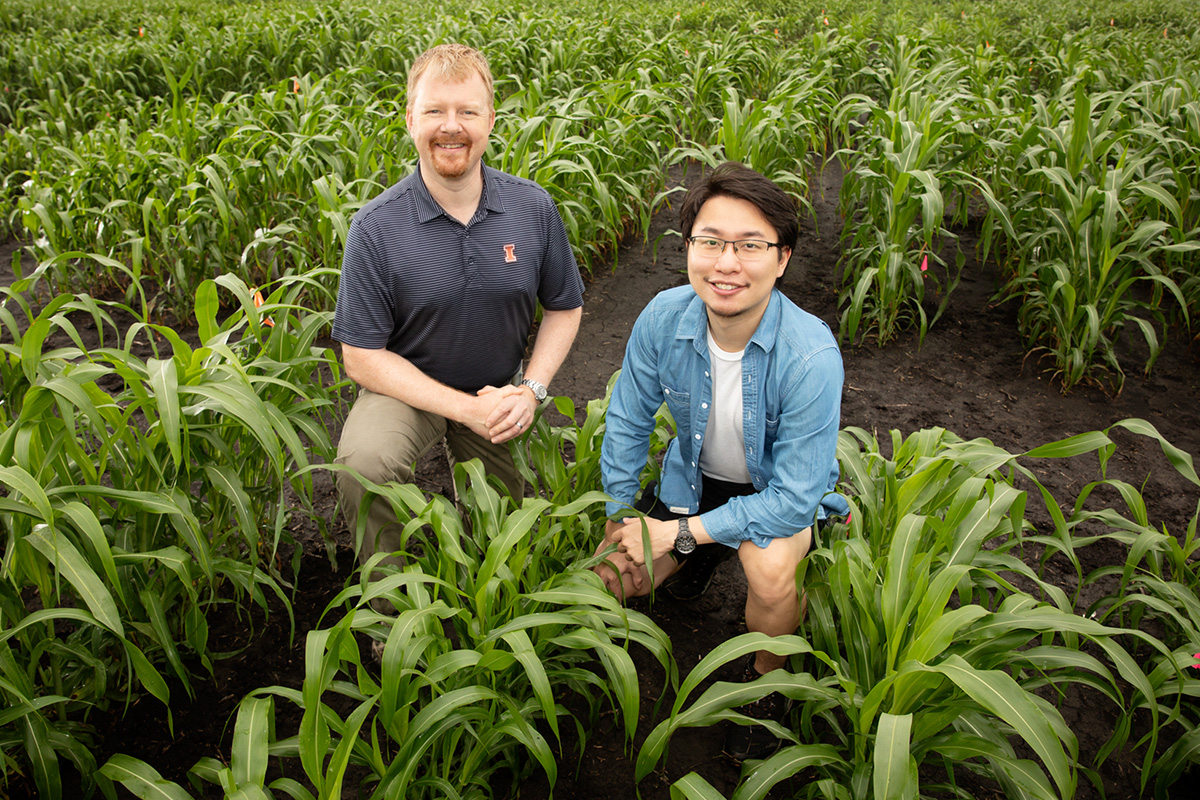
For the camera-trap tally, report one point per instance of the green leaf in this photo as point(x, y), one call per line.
point(235, 398)
point(934, 638)
point(150, 677)
point(17, 479)
point(249, 793)
point(999, 694)
point(22, 707)
point(85, 521)
point(340, 759)
point(783, 765)
point(59, 551)
point(1180, 459)
point(141, 779)
point(41, 756)
point(164, 382)
point(693, 787)
point(208, 303)
point(899, 581)
point(445, 704)
point(1071, 446)
point(225, 479)
point(522, 648)
point(31, 348)
point(294, 788)
point(516, 724)
point(895, 770)
point(156, 611)
point(251, 735)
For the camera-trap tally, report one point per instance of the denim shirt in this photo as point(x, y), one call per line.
point(791, 413)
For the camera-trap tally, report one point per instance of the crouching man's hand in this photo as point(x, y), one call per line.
point(627, 535)
point(628, 578)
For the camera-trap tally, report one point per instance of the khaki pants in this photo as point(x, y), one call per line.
point(382, 440)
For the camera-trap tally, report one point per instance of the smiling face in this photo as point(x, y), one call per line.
point(734, 291)
point(450, 122)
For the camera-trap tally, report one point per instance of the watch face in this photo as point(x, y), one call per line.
point(685, 543)
point(539, 391)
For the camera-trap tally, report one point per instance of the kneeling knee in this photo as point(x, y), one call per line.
point(377, 467)
point(772, 582)
point(777, 592)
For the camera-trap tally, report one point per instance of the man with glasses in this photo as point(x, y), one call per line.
point(754, 385)
point(441, 278)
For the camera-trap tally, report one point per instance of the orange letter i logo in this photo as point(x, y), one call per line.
point(510, 253)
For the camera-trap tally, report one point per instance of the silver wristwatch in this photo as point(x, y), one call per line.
point(684, 541)
point(538, 389)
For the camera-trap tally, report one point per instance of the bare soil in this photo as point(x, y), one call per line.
point(971, 375)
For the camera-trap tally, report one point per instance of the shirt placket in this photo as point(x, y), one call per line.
point(750, 415)
point(470, 268)
point(699, 428)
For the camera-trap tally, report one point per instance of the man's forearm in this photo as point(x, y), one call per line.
point(554, 339)
point(385, 372)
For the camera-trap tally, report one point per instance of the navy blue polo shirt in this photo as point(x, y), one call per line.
point(456, 300)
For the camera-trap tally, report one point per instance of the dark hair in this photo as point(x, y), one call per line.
point(732, 179)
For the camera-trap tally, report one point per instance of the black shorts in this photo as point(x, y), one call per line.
point(716, 494)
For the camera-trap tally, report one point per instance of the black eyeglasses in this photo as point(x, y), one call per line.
point(744, 249)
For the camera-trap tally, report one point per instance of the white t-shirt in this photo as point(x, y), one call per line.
point(723, 455)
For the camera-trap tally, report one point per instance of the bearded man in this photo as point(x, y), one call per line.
point(441, 280)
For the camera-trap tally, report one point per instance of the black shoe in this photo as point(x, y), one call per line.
point(754, 742)
point(691, 579)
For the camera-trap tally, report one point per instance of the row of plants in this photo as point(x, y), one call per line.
point(146, 483)
point(1084, 187)
point(1105, 222)
point(137, 158)
point(210, 145)
point(932, 647)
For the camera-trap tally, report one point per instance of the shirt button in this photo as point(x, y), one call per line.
point(666, 391)
point(697, 436)
point(704, 405)
point(693, 463)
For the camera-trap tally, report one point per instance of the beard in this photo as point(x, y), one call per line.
point(452, 164)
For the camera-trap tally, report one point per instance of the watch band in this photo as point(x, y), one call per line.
point(538, 389)
point(685, 542)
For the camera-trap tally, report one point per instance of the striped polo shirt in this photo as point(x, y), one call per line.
point(456, 300)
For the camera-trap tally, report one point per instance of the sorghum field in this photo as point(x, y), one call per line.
point(1001, 205)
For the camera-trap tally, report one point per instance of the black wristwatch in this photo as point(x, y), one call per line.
point(684, 541)
point(538, 389)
